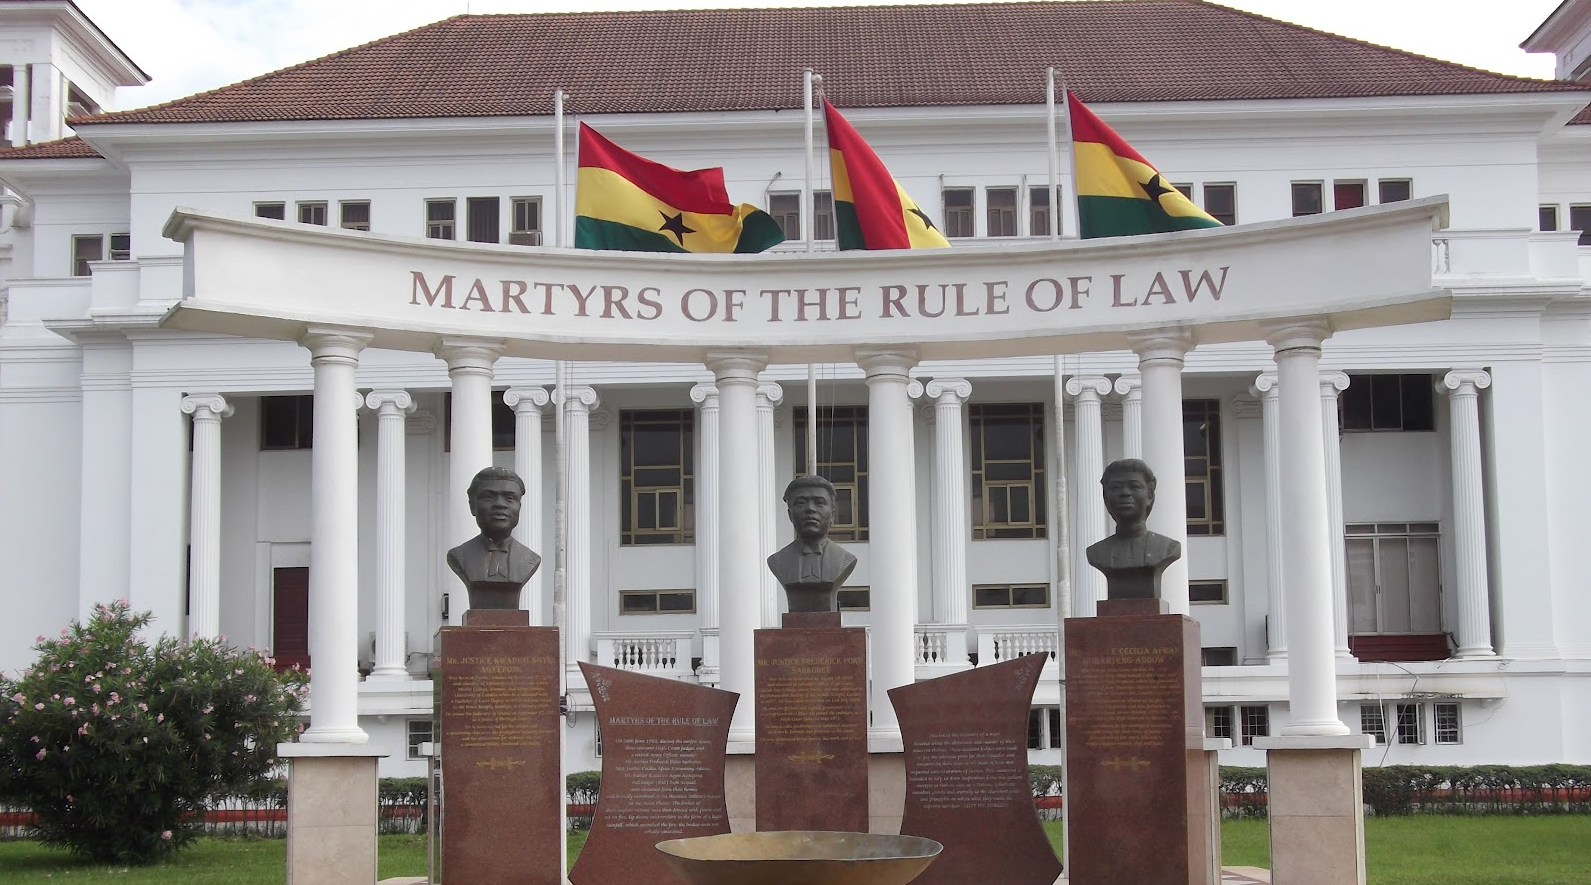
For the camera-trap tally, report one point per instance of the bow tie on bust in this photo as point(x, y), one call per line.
point(497, 557)
point(812, 564)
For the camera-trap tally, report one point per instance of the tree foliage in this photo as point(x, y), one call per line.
point(115, 743)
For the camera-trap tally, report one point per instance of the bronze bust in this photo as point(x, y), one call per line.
point(492, 564)
point(811, 568)
point(1133, 558)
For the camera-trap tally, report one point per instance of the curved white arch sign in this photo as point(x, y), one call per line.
point(272, 279)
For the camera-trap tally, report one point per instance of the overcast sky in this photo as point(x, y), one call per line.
point(188, 46)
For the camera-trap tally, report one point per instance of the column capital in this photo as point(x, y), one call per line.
point(1296, 334)
point(1245, 407)
point(1129, 385)
point(579, 397)
point(468, 354)
point(1462, 381)
point(1094, 386)
point(769, 394)
point(1161, 345)
point(525, 399)
point(948, 390)
point(334, 343)
point(390, 402)
point(1332, 383)
point(706, 393)
point(1265, 384)
point(880, 362)
point(736, 364)
point(206, 406)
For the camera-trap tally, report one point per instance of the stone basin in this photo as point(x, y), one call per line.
point(799, 857)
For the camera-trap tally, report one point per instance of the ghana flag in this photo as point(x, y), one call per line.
point(624, 201)
point(871, 210)
point(1118, 192)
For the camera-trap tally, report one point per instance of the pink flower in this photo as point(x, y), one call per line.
point(98, 686)
point(83, 729)
point(146, 740)
point(40, 755)
point(238, 672)
point(68, 797)
point(35, 739)
point(70, 701)
point(39, 706)
point(160, 717)
point(209, 708)
point(115, 698)
point(248, 699)
point(166, 835)
point(39, 638)
point(143, 706)
point(20, 698)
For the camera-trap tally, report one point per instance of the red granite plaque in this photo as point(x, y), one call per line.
point(1133, 721)
point(966, 738)
point(500, 756)
point(662, 773)
point(811, 759)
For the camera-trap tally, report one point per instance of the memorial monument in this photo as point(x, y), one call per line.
point(811, 568)
point(493, 565)
point(1133, 558)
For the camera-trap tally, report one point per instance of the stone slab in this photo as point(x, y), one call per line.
point(662, 773)
point(1136, 789)
point(501, 746)
point(1121, 608)
point(1316, 816)
point(967, 775)
point(809, 619)
point(811, 731)
point(331, 819)
point(496, 617)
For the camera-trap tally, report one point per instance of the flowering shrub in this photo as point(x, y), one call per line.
point(115, 744)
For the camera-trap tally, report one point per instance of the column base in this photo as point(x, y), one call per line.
point(331, 813)
point(1316, 808)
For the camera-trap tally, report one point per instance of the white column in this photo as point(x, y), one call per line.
point(334, 538)
point(1130, 388)
point(1331, 384)
point(1306, 548)
point(1463, 387)
point(1160, 363)
point(1265, 388)
point(892, 528)
point(469, 365)
point(740, 562)
point(577, 537)
point(20, 93)
point(1087, 581)
point(707, 528)
point(526, 403)
point(204, 514)
point(950, 529)
point(392, 410)
point(770, 507)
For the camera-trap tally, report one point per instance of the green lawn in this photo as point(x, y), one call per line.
point(1423, 850)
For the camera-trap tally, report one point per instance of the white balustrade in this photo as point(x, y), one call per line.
point(663, 654)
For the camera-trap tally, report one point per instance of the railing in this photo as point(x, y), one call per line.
point(665, 654)
point(996, 644)
point(939, 645)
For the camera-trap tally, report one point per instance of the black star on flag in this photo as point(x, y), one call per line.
point(1155, 188)
point(676, 225)
point(927, 222)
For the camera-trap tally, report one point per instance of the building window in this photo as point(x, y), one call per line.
point(290, 617)
point(1580, 220)
point(86, 248)
point(1411, 725)
point(1394, 579)
point(1347, 194)
point(277, 211)
point(1185, 188)
point(1394, 190)
point(842, 460)
point(1547, 218)
point(1201, 444)
point(440, 219)
point(855, 599)
point(958, 211)
point(1218, 656)
point(355, 214)
point(1373, 721)
point(1306, 198)
point(1008, 492)
point(657, 602)
point(483, 218)
point(1039, 213)
point(1000, 211)
point(1011, 596)
point(527, 221)
point(420, 732)
point(823, 215)
point(1256, 723)
point(287, 422)
point(786, 210)
point(121, 247)
point(1218, 722)
point(1207, 592)
point(1389, 402)
point(1446, 724)
point(657, 451)
point(1045, 731)
point(312, 213)
point(1220, 200)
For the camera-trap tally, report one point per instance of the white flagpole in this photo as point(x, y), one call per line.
point(814, 84)
point(1071, 158)
point(1055, 156)
point(560, 507)
point(558, 170)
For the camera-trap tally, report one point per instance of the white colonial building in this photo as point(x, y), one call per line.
point(174, 467)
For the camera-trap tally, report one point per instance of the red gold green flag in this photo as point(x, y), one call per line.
point(871, 209)
point(1118, 192)
point(624, 201)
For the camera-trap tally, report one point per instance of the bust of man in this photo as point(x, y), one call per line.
point(811, 567)
point(492, 564)
point(1133, 558)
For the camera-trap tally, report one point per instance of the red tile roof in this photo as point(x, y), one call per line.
point(65, 149)
point(870, 56)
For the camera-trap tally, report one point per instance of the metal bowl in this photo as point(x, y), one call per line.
point(799, 857)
